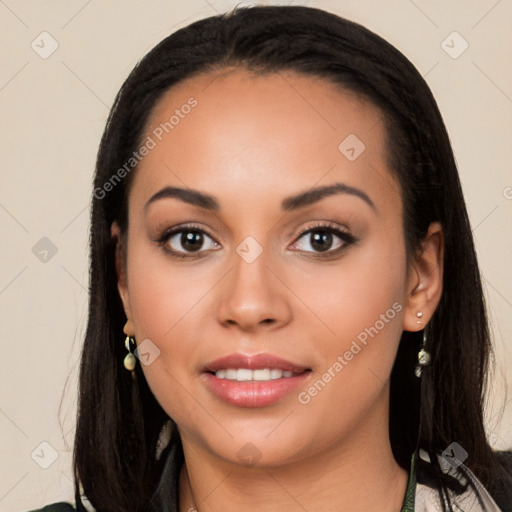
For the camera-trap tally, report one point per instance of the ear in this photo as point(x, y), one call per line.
point(425, 280)
point(122, 285)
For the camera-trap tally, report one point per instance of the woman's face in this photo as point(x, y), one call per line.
point(250, 282)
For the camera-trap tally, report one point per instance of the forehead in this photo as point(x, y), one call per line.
point(254, 135)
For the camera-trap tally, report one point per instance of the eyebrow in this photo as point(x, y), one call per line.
point(208, 202)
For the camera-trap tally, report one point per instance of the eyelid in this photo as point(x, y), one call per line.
point(164, 237)
point(322, 225)
point(166, 233)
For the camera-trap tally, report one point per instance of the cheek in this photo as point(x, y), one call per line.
point(163, 292)
point(167, 300)
point(359, 305)
point(358, 308)
point(351, 296)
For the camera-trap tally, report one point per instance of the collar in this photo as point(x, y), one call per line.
point(445, 485)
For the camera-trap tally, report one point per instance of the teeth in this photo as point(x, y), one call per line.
point(244, 374)
point(276, 374)
point(230, 374)
point(261, 374)
point(221, 374)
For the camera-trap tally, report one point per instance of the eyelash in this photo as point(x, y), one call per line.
point(347, 239)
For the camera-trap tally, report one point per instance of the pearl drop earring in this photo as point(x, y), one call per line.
point(129, 361)
point(424, 357)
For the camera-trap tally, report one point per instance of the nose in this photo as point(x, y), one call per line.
point(254, 295)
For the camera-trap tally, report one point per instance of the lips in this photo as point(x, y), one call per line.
point(253, 380)
point(253, 362)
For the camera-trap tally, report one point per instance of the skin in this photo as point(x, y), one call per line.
point(251, 141)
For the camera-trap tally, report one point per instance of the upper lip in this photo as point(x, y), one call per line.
point(253, 362)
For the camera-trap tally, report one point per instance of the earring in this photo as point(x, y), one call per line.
point(129, 360)
point(419, 314)
point(423, 356)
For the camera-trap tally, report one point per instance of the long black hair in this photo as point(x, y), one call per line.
point(119, 420)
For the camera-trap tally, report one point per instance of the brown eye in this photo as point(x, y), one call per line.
point(191, 240)
point(185, 240)
point(325, 239)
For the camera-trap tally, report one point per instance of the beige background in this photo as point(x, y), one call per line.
point(53, 114)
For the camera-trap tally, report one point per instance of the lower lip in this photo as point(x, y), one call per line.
point(253, 393)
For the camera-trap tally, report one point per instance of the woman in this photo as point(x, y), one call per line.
point(281, 257)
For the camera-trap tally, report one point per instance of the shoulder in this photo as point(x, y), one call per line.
point(57, 507)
